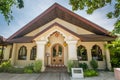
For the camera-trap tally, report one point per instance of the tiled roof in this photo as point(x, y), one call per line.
point(24, 39)
point(94, 37)
point(2, 40)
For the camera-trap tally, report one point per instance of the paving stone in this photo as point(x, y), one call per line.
point(53, 76)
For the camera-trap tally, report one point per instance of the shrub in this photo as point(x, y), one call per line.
point(94, 64)
point(5, 66)
point(83, 65)
point(75, 63)
point(28, 69)
point(114, 48)
point(70, 65)
point(16, 70)
point(37, 66)
point(30, 66)
point(90, 73)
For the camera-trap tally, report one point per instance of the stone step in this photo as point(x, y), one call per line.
point(56, 69)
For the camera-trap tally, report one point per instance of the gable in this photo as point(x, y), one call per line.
point(74, 28)
point(68, 35)
point(57, 11)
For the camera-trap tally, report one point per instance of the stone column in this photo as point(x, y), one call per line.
point(7, 52)
point(13, 54)
point(41, 53)
point(72, 50)
point(108, 59)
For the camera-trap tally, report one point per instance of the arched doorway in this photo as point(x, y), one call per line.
point(57, 56)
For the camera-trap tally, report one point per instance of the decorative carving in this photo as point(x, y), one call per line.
point(65, 44)
point(48, 44)
point(60, 60)
point(56, 34)
point(54, 60)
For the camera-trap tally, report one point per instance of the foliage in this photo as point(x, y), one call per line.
point(94, 64)
point(37, 66)
point(0, 51)
point(5, 66)
point(96, 53)
point(91, 5)
point(28, 69)
point(114, 48)
point(5, 8)
point(70, 65)
point(83, 65)
point(81, 53)
point(117, 27)
point(16, 70)
point(90, 73)
point(75, 63)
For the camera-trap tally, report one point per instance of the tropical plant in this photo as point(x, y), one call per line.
point(28, 69)
point(37, 66)
point(90, 73)
point(82, 53)
point(75, 63)
point(16, 70)
point(70, 65)
point(5, 66)
point(114, 48)
point(94, 64)
point(83, 65)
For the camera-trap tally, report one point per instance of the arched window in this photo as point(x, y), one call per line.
point(96, 53)
point(81, 53)
point(22, 55)
point(1, 53)
point(33, 53)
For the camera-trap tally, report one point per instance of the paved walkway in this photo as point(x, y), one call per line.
point(53, 76)
point(102, 76)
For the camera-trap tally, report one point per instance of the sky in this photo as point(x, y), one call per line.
point(33, 8)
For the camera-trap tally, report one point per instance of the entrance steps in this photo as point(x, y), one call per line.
point(56, 69)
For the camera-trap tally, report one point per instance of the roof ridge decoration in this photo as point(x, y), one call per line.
point(58, 11)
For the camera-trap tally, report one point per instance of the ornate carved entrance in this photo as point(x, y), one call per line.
point(57, 56)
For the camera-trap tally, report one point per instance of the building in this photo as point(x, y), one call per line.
point(56, 36)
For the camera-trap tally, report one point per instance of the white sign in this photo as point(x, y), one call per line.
point(77, 73)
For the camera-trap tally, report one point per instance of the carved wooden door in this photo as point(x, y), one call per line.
point(57, 55)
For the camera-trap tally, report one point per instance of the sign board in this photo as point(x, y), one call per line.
point(77, 73)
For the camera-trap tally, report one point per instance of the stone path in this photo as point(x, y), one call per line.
point(40, 76)
point(53, 76)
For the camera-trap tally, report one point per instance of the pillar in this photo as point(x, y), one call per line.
point(7, 52)
point(72, 50)
point(108, 59)
point(41, 53)
point(13, 54)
